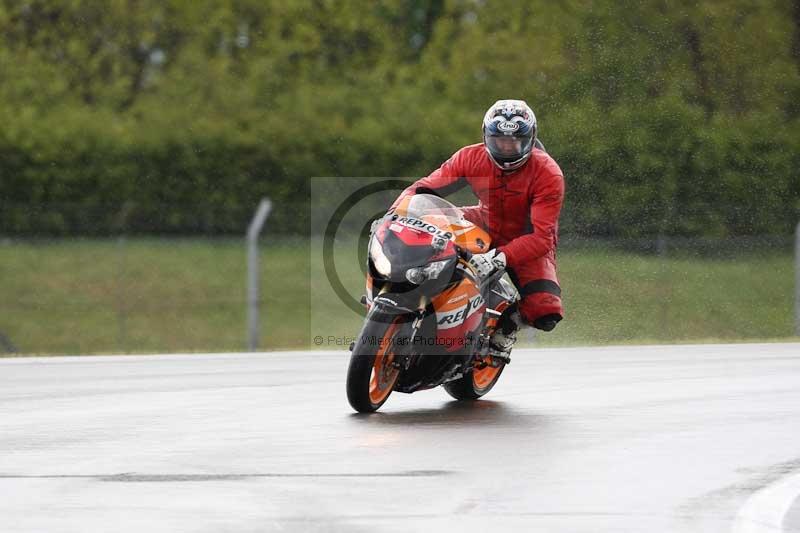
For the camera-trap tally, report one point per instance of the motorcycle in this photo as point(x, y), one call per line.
point(429, 316)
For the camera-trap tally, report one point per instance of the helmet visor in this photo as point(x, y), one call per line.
point(508, 148)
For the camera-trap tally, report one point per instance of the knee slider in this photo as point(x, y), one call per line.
point(547, 322)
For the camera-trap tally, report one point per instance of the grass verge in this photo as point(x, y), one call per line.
point(169, 295)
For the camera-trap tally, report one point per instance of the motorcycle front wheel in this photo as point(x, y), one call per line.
point(371, 377)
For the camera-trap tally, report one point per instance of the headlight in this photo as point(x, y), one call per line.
point(419, 275)
point(379, 259)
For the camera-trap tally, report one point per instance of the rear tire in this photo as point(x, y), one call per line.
point(370, 376)
point(474, 383)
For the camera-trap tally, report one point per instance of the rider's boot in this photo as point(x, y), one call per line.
point(505, 336)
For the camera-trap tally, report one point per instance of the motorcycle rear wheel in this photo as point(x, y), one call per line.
point(475, 383)
point(371, 376)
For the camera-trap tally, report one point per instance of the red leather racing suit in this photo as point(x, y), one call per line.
point(519, 209)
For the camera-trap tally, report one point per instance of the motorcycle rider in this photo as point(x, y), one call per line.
point(520, 189)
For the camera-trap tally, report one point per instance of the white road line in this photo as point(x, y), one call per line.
point(765, 510)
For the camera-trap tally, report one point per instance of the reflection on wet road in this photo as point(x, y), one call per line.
point(611, 439)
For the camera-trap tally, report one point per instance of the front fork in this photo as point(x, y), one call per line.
point(403, 361)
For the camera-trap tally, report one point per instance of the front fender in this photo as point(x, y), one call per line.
point(391, 306)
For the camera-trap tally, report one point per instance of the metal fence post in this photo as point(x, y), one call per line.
point(797, 280)
point(253, 231)
point(121, 227)
point(6, 344)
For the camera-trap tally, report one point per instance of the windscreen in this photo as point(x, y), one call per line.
point(432, 209)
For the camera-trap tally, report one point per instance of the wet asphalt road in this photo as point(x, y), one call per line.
point(609, 439)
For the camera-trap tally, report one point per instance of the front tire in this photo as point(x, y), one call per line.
point(371, 376)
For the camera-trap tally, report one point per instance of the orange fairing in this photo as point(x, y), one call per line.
point(402, 207)
point(456, 297)
point(458, 311)
point(465, 234)
point(471, 237)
